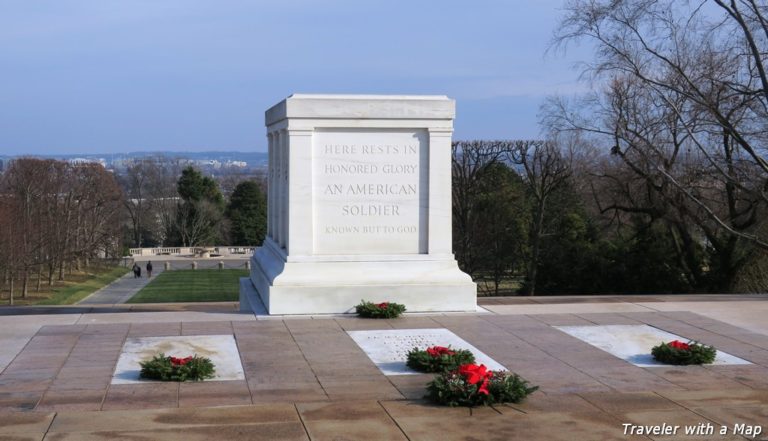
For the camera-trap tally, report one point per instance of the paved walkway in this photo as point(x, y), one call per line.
point(122, 289)
point(306, 379)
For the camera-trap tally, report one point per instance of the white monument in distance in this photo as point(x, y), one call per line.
point(359, 207)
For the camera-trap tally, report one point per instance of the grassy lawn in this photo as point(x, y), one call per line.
point(203, 285)
point(78, 288)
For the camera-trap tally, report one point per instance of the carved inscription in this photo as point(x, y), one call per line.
point(370, 192)
point(388, 349)
point(400, 345)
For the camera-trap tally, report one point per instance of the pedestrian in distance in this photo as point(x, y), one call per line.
point(136, 270)
point(149, 269)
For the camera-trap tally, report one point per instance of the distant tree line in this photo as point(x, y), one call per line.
point(544, 217)
point(58, 217)
point(55, 217)
point(169, 204)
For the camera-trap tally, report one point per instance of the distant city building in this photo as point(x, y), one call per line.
point(215, 163)
point(83, 161)
point(210, 162)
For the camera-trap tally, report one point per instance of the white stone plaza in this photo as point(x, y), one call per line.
point(359, 207)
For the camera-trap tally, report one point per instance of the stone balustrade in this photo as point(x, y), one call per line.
point(214, 251)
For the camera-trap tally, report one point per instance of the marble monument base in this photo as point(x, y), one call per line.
point(315, 285)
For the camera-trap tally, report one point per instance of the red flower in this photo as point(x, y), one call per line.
point(475, 374)
point(677, 344)
point(437, 351)
point(180, 361)
point(383, 305)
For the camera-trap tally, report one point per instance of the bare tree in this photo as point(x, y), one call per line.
point(25, 185)
point(546, 169)
point(680, 97)
point(98, 214)
point(55, 215)
point(165, 195)
point(135, 182)
point(150, 199)
point(470, 159)
point(9, 236)
point(700, 65)
point(197, 222)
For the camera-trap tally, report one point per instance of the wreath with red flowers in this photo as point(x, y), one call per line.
point(472, 385)
point(680, 353)
point(379, 310)
point(167, 368)
point(438, 359)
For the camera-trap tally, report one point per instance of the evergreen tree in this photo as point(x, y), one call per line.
point(247, 213)
point(200, 212)
point(193, 186)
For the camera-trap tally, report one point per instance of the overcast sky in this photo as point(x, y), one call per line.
point(92, 76)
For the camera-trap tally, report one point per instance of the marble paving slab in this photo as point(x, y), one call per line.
point(633, 343)
point(221, 349)
point(388, 349)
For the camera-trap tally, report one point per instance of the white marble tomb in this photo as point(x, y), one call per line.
point(221, 349)
point(633, 343)
point(359, 207)
point(388, 349)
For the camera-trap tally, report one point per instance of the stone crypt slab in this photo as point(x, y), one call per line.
point(633, 343)
point(221, 349)
point(388, 349)
point(359, 207)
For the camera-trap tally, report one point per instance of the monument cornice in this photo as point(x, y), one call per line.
point(362, 107)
